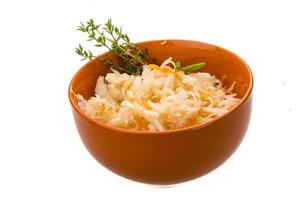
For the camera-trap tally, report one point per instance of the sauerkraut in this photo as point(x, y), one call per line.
point(161, 98)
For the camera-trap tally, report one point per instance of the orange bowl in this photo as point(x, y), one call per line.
point(173, 156)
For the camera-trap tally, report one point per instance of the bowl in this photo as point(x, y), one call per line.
point(173, 156)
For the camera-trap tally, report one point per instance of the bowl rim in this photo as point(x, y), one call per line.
point(166, 132)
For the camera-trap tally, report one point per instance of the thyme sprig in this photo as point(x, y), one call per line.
point(118, 43)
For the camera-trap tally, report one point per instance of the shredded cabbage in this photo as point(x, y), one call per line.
point(162, 98)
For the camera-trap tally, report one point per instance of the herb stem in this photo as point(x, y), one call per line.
point(193, 67)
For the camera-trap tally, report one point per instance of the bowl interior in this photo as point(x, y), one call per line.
point(220, 62)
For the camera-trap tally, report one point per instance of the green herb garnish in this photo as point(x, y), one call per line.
point(192, 67)
point(132, 57)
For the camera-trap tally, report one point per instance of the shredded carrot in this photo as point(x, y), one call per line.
point(163, 70)
point(131, 99)
point(101, 107)
point(205, 94)
point(146, 105)
point(140, 122)
point(155, 99)
point(152, 66)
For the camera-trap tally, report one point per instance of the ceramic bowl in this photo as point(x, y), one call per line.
point(173, 156)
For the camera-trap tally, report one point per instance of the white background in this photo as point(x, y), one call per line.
point(41, 154)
